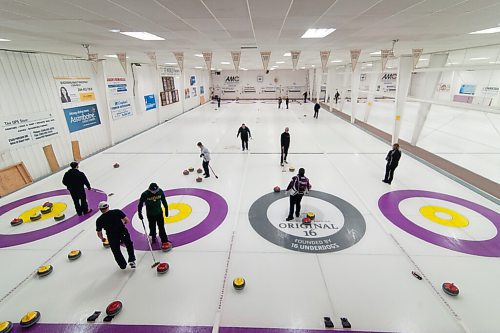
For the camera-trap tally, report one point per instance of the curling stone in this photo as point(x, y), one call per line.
point(162, 268)
point(44, 270)
point(35, 216)
point(306, 220)
point(59, 217)
point(185, 172)
point(74, 254)
point(191, 169)
point(239, 283)
point(291, 169)
point(450, 289)
point(276, 189)
point(167, 246)
point(199, 179)
point(305, 115)
point(114, 308)
point(311, 215)
point(6, 326)
point(47, 207)
point(116, 165)
point(199, 170)
point(15, 222)
point(105, 243)
point(30, 319)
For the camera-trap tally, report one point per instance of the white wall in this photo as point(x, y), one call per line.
point(278, 82)
point(27, 87)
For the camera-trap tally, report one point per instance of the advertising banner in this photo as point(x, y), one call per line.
point(179, 56)
point(82, 117)
point(416, 53)
point(385, 54)
point(29, 129)
point(265, 56)
point(75, 90)
point(116, 85)
point(169, 71)
point(236, 55)
point(120, 108)
point(150, 102)
point(295, 59)
point(122, 57)
point(207, 56)
point(324, 55)
point(354, 58)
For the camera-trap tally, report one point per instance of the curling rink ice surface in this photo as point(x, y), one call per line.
point(354, 261)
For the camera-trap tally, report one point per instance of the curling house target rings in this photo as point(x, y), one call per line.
point(456, 219)
point(389, 206)
point(217, 213)
point(184, 210)
point(93, 198)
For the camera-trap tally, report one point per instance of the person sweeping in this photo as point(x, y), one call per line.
point(205, 154)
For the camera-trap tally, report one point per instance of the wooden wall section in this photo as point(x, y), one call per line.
point(13, 178)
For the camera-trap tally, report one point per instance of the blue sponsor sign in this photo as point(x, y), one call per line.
point(150, 102)
point(82, 117)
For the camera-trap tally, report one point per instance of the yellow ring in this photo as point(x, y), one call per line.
point(57, 208)
point(184, 210)
point(456, 219)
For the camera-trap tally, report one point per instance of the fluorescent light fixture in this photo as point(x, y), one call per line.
point(225, 63)
point(423, 59)
point(141, 35)
point(494, 62)
point(280, 62)
point(486, 31)
point(199, 55)
point(4, 40)
point(303, 67)
point(479, 58)
point(212, 69)
point(376, 53)
point(317, 33)
point(199, 67)
point(287, 54)
point(243, 69)
point(112, 56)
point(313, 65)
point(337, 60)
point(369, 65)
point(170, 63)
point(114, 30)
point(272, 69)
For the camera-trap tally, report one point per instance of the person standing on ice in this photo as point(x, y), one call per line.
point(279, 102)
point(245, 134)
point(392, 159)
point(154, 197)
point(298, 186)
point(75, 181)
point(113, 221)
point(285, 143)
point(205, 154)
point(287, 100)
point(316, 110)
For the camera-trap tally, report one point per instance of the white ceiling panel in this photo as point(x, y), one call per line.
point(273, 9)
point(390, 7)
point(316, 8)
point(350, 7)
point(227, 8)
point(187, 9)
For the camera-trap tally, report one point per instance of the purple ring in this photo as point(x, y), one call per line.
point(389, 206)
point(216, 215)
point(93, 199)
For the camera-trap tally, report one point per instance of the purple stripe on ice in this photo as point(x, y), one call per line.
point(93, 198)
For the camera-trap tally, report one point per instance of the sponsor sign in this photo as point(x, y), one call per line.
point(75, 90)
point(82, 117)
point(29, 129)
point(150, 102)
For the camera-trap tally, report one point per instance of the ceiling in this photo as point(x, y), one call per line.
point(221, 26)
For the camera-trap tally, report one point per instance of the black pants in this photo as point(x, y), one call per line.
point(80, 201)
point(389, 172)
point(218, 104)
point(244, 143)
point(279, 105)
point(114, 243)
point(205, 168)
point(305, 99)
point(295, 203)
point(157, 220)
point(316, 114)
point(284, 153)
point(336, 100)
point(287, 105)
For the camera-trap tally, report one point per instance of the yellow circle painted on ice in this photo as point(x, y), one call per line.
point(456, 219)
point(57, 208)
point(183, 211)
